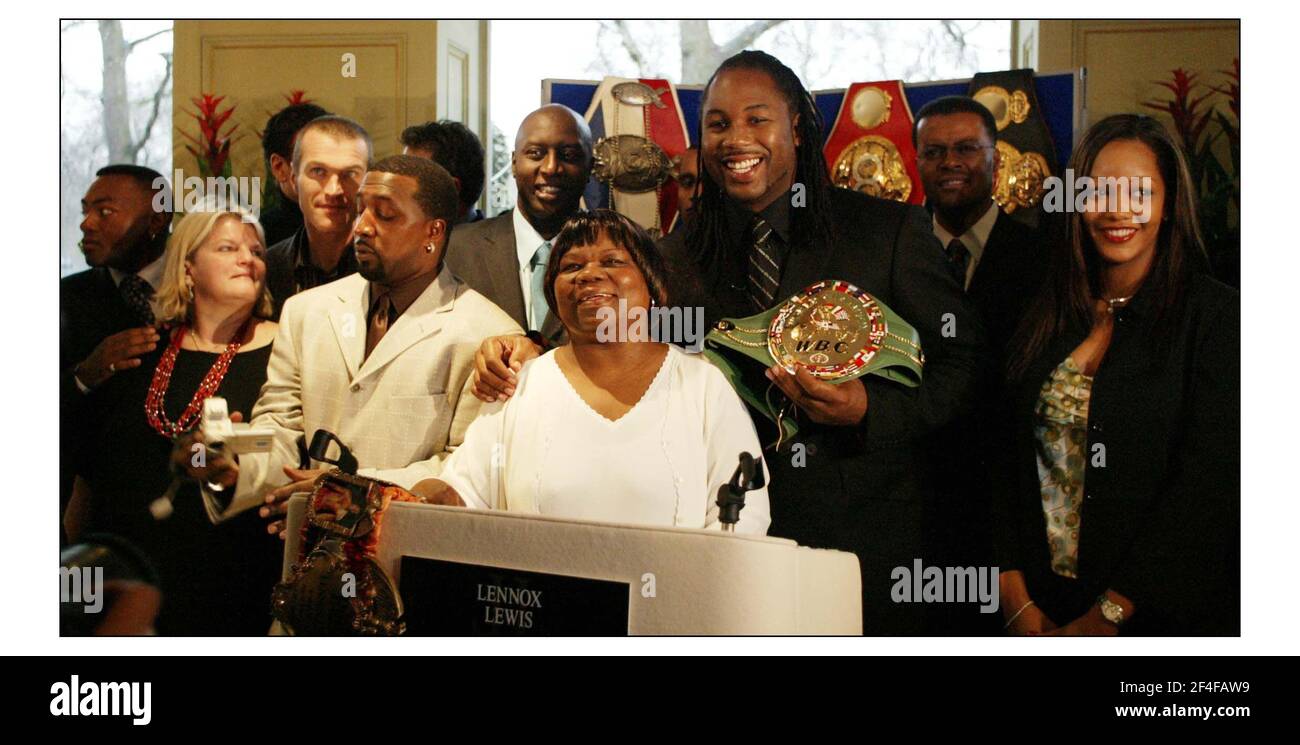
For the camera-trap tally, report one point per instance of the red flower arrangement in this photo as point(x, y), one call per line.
point(212, 147)
point(1216, 179)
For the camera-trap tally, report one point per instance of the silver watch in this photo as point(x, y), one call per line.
point(1111, 611)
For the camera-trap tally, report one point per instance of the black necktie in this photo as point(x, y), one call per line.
point(137, 293)
point(958, 260)
point(764, 269)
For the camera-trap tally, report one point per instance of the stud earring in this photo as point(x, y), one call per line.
point(428, 248)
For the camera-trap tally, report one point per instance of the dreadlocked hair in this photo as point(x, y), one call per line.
point(811, 224)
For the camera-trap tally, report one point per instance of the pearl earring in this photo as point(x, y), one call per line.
point(428, 248)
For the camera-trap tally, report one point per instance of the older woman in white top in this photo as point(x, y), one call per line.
point(611, 427)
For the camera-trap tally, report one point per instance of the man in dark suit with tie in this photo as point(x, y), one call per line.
point(505, 257)
point(997, 258)
point(768, 223)
point(999, 262)
point(105, 313)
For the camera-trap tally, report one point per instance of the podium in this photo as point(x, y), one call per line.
point(470, 572)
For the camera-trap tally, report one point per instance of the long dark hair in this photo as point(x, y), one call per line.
point(707, 234)
point(1074, 268)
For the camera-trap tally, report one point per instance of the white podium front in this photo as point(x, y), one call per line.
point(672, 581)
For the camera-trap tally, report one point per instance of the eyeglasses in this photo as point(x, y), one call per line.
point(963, 151)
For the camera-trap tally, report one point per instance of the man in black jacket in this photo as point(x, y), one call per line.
point(453, 146)
point(999, 262)
point(998, 259)
point(860, 486)
point(106, 313)
point(283, 219)
point(330, 157)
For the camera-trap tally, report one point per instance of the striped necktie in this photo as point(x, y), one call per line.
point(764, 267)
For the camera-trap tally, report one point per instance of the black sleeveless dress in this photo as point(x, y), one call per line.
point(216, 580)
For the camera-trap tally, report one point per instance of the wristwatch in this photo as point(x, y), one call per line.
point(1110, 610)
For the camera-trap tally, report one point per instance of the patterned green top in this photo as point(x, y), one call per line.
point(1061, 435)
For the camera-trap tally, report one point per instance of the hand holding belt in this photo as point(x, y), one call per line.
point(835, 330)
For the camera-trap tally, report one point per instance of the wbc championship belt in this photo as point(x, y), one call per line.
point(336, 587)
point(870, 148)
point(833, 329)
point(637, 129)
point(1023, 140)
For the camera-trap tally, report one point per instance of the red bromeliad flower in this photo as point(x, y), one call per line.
point(1233, 89)
point(1189, 119)
point(211, 148)
point(295, 97)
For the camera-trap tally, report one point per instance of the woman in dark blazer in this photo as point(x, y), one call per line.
point(1120, 496)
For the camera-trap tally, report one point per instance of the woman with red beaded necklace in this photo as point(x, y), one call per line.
point(216, 579)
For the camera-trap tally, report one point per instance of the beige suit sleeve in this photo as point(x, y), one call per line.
point(279, 408)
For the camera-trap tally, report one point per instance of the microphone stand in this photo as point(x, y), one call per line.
point(731, 495)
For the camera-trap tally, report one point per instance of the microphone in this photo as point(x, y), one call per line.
point(731, 495)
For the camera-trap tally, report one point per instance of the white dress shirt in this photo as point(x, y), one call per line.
point(548, 452)
point(973, 239)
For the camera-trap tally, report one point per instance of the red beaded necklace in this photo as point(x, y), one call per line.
point(162, 376)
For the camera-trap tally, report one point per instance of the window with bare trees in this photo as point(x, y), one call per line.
point(115, 106)
point(825, 54)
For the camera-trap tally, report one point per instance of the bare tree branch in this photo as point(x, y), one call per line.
point(633, 50)
point(747, 37)
point(132, 45)
point(153, 113)
point(70, 24)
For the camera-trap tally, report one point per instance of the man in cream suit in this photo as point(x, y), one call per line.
point(382, 358)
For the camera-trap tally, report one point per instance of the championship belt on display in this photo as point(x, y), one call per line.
point(833, 329)
point(336, 587)
point(637, 129)
point(1023, 140)
point(870, 148)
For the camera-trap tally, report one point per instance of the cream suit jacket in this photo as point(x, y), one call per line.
point(401, 411)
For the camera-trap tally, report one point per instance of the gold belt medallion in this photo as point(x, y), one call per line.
point(872, 165)
point(630, 163)
point(1019, 182)
point(1008, 108)
point(832, 328)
